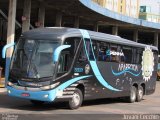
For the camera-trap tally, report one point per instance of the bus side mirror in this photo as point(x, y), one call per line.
point(58, 51)
point(158, 66)
point(5, 49)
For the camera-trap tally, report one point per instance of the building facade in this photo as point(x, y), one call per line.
point(125, 7)
point(147, 14)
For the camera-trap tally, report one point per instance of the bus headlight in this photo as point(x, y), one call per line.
point(54, 85)
point(50, 86)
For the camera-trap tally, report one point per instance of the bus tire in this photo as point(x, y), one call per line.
point(140, 94)
point(37, 103)
point(76, 101)
point(132, 96)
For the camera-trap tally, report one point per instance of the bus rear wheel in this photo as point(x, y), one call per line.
point(37, 103)
point(140, 94)
point(133, 92)
point(76, 100)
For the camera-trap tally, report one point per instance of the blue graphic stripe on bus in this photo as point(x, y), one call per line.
point(69, 82)
point(126, 71)
point(58, 51)
point(5, 49)
point(85, 33)
point(86, 49)
point(92, 47)
point(93, 64)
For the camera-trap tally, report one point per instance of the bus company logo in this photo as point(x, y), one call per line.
point(147, 63)
point(110, 52)
point(126, 68)
point(87, 69)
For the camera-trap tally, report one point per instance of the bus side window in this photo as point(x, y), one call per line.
point(134, 56)
point(94, 45)
point(103, 52)
point(67, 55)
point(63, 65)
point(127, 54)
point(139, 52)
point(114, 53)
point(82, 56)
point(91, 49)
point(155, 55)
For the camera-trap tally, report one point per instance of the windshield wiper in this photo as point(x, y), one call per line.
point(32, 64)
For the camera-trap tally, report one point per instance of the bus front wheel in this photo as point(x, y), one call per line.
point(76, 101)
point(133, 92)
point(140, 94)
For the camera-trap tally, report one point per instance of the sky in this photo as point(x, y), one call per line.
point(155, 5)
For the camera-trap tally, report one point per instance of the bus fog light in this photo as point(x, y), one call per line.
point(46, 96)
point(59, 93)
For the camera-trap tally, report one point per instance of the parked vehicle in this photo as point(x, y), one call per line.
point(74, 65)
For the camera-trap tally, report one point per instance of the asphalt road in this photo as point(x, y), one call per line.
point(149, 105)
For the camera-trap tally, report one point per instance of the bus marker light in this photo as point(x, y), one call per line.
point(76, 74)
point(59, 93)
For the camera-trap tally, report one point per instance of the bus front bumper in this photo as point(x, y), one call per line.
point(47, 96)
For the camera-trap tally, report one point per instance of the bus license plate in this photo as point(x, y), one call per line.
point(25, 94)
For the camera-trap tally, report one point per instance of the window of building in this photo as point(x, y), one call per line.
point(121, 9)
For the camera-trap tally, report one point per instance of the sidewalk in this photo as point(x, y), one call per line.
point(2, 90)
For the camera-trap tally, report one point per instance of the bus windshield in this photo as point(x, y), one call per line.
point(33, 59)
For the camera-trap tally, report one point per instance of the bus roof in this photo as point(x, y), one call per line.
point(49, 33)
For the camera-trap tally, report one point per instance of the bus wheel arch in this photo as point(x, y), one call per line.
point(81, 87)
point(144, 88)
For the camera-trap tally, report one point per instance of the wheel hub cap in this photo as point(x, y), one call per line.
point(76, 99)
